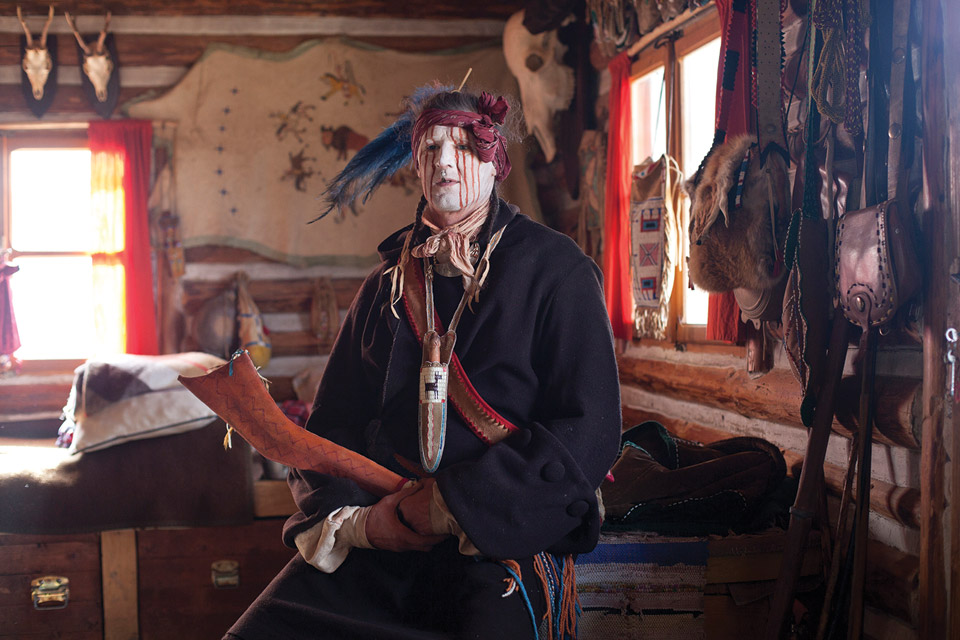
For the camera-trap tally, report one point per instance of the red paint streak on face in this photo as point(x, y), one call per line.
point(430, 169)
point(475, 176)
point(459, 136)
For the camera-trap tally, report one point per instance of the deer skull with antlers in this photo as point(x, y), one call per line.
point(37, 62)
point(97, 65)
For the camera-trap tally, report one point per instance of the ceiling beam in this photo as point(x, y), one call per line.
point(269, 25)
point(493, 9)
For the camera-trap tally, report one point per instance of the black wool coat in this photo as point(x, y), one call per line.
point(537, 346)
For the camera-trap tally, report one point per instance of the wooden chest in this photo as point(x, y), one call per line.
point(195, 583)
point(24, 559)
point(153, 584)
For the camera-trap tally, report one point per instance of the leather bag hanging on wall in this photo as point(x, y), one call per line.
point(654, 244)
point(877, 269)
point(745, 178)
point(741, 251)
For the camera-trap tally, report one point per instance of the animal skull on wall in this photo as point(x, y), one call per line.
point(546, 85)
point(37, 62)
point(99, 64)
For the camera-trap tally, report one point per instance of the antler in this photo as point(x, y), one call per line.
point(73, 27)
point(23, 24)
point(43, 34)
point(98, 49)
point(103, 33)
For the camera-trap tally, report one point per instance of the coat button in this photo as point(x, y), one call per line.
point(552, 472)
point(578, 509)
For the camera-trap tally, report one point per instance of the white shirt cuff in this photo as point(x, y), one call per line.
point(326, 545)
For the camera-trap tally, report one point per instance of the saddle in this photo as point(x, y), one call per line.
point(673, 486)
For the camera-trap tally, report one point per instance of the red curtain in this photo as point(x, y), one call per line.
point(616, 249)
point(132, 140)
point(723, 312)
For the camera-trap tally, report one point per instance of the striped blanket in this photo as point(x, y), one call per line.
point(638, 585)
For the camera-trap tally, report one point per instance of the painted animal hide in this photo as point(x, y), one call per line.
point(736, 237)
point(654, 243)
point(260, 134)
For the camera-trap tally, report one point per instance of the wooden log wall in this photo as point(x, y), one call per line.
point(286, 298)
point(157, 42)
point(704, 394)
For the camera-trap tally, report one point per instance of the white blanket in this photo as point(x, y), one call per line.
point(130, 397)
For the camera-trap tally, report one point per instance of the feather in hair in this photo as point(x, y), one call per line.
point(379, 159)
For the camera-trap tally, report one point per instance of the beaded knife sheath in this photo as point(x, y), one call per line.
point(434, 382)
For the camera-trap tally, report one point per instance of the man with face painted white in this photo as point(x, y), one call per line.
point(476, 360)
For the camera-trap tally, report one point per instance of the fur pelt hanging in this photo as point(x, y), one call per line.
point(744, 250)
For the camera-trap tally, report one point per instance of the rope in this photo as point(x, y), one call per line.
point(515, 583)
point(841, 24)
point(830, 73)
point(560, 591)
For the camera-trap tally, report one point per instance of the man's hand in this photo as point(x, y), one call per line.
point(385, 530)
point(414, 509)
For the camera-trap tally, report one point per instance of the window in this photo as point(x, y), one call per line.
point(68, 293)
point(649, 116)
point(686, 59)
point(698, 77)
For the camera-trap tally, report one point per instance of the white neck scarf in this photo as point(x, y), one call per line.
point(454, 240)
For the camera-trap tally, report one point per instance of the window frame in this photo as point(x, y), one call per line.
point(666, 47)
point(56, 136)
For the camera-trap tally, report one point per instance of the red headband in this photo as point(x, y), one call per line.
point(490, 143)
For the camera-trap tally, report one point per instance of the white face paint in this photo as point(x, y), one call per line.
point(455, 182)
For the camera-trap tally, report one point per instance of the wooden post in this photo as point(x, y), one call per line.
point(935, 617)
point(940, 55)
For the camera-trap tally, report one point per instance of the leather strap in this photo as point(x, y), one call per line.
point(769, 57)
point(896, 179)
point(483, 420)
point(737, 25)
point(861, 524)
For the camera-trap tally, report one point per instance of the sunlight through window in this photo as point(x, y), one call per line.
point(698, 70)
point(63, 309)
point(649, 117)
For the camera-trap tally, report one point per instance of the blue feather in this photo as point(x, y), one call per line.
point(379, 159)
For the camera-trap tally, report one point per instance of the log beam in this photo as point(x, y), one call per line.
point(271, 295)
point(135, 50)
point(489, 9)
point(68, 101)
point(774, 397)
